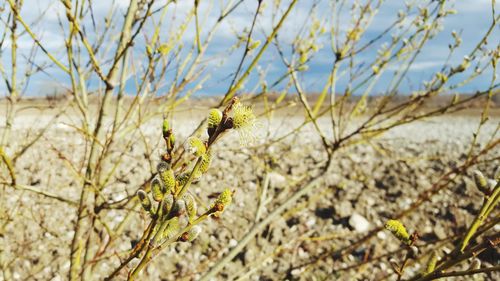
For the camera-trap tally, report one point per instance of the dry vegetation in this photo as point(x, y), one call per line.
point(312, 183)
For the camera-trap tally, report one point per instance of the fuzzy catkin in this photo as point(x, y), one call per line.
point(196, 146)
point(191, 207)
point(172, 228)
point(168, 201)
point(431, 263)
point(398, 230)
point(214, 118)
point(144, 199)
point(205, 162)
point(193, 233)
point(157, 189)
point(167, 177)
point(481, 181)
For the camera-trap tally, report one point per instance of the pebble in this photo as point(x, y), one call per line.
point(381, 235)
point(277, 180)
point(343, 209)
point(440, 231)
point(311, 222)
point(359, 223)
point(233, 243)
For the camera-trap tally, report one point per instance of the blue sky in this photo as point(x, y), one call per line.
point(472, 20)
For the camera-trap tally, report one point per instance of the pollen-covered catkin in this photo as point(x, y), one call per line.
point(214, 118)
point(398, 230)
point(245, 122)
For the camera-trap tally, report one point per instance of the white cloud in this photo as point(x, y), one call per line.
point(418, 66)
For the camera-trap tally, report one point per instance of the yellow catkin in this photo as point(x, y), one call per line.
point(157, 189)
point(196, 146)
point(223, 201)
point(214, 118)
point(398, 230)
point(245, 123)
point(431, 263)
point(181, 181)
point(205, 162)
point(167, 177)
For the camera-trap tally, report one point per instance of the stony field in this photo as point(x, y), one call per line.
point(369, 183)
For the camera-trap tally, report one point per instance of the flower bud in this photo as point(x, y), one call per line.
point(190, 235)
point(243, 116)
point(181, 181)
point(475, 264)
point(205, 162)
point(179, 208)
point(431, 263)
point(157, 189)
point(164, 49)
point(413, 253)
point(255, 44)
point(172, 228)
point(491, 185)
point(196, 146)
point(481, 182)
point(168, 201)
point(214, 118)
point(302, 67)
point(167, 177)
point(496, 175)
point(222, 201)
point(191, 206)
point(165, 128)
point(144, 199)
point(171, 139)
point(303, 58)
point(183, 222)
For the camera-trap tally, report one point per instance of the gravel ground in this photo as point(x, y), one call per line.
point(369, 183)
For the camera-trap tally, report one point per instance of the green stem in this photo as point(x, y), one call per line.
point(195, 170)
point(9, 165)
point(488, 206)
